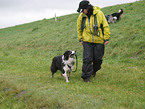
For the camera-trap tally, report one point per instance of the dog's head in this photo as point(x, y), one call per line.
point(69, 54)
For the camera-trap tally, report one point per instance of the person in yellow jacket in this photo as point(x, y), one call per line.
point(93, 33)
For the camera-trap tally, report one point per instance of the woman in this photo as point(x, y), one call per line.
point(93, 32)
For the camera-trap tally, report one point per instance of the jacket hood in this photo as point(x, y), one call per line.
point(96, 9)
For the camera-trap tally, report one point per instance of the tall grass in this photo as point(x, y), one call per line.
point(26, 52)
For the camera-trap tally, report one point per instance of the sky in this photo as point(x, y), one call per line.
point(16, 12)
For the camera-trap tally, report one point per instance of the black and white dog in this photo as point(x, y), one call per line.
point(114, 16)
point(64, 63)
point(110, 18)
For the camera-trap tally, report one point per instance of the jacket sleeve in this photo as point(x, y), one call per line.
point(105, 28)
point(79, 20)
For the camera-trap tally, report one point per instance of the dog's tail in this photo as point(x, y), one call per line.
point(121, 11)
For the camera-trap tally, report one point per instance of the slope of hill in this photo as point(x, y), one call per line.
point(26, 52)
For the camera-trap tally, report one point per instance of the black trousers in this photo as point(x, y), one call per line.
point(92, 58)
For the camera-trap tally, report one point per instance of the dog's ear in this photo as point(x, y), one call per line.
point(66, 55)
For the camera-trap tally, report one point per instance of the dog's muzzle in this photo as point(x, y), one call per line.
point(73, 54)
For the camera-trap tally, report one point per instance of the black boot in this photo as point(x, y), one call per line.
point(93, 74)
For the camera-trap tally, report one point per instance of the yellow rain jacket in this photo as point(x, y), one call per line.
point(88, 34)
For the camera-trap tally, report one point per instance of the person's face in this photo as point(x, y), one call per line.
point(85, 11)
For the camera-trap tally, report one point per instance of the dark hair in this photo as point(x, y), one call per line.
point(90, 10)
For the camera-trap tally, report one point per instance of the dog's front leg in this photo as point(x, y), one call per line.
point(65, 76)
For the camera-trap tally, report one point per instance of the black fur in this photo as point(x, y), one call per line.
point(66, 55)
point(118, 15)
point(114, 16)
point(64, 63)
point(57, 64)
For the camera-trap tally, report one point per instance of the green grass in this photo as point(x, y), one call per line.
point(26, 52)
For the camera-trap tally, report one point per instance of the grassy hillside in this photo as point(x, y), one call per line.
point(26, 52)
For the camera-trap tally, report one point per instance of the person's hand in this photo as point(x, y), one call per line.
point(106, 42)
point(82, 43)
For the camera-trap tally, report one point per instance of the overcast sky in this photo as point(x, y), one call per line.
point(15, 12)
